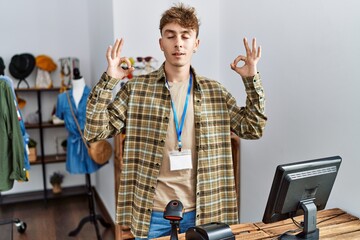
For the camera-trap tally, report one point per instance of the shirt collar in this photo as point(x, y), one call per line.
point(160, 76)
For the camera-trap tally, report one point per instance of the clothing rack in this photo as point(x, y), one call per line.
point(20, 225)
point(93, 217)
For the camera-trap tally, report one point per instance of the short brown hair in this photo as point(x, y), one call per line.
point(183, 15)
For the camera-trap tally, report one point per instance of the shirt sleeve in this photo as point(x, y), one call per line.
point(105, 117)
point(248, 122)
point(16, 143)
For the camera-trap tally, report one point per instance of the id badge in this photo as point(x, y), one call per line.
point(180, 160)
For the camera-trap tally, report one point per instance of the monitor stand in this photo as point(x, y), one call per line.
point(310, 232)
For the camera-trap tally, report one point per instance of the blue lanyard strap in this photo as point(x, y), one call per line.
point(179, 129)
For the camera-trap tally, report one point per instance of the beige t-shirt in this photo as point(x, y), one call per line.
point(180, 184)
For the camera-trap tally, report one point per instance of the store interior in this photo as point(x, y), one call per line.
point(309, 66)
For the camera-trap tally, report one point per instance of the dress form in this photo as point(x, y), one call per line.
point(78, 85)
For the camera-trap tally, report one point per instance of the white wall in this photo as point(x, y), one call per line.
point(101, 36)
point(309, 67)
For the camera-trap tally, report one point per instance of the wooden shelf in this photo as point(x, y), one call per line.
point(43, 125)
point(42, 159)
point(37, 89)
point(53, 158)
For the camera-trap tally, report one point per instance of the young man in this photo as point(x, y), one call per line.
point(178, 130)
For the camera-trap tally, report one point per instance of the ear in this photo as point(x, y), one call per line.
point(160, 44)
point(196, 45)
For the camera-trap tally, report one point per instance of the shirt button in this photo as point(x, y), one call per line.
point(197, 216)
point(157, 164)
point(149, 210)
point(198, 193)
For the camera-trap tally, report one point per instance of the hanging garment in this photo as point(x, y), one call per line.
point(24, 134)
point(11, 142)
point(77, 158)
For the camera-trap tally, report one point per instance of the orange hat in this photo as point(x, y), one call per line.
point(21, 102)
point(45, 63)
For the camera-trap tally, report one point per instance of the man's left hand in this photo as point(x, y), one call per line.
point(251, 59)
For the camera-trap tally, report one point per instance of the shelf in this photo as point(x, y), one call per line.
point(43, 125)
point(43, 159)
point(54, 158)
point(37, 89)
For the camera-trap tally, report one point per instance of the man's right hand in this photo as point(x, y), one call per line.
point(115, 61)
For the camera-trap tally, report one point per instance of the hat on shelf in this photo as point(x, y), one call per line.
point(21, 65)
point(45, 63)
point(21, 102)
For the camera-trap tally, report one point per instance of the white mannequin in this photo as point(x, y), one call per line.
point(78, 85)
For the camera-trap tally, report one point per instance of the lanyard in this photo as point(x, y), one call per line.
point(179, 128)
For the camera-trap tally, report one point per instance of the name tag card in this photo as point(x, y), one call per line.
point(180, 160)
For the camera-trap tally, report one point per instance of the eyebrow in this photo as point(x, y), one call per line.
point(174, 32)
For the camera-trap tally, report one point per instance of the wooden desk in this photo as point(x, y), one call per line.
point(333, 224)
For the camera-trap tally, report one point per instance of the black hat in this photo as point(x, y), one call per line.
point(2, 65)
point(22, 65)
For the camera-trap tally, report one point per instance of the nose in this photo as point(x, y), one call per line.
point(179, 43)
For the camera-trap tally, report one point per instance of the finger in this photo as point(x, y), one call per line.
point(246, 44)
point(259, 52)
point(119, 48)
point(124, 61)
point(237, 60)
point(254, 47)
point(108, 53)
point(114, 48)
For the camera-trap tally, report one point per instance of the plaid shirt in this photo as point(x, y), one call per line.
point(143, 106)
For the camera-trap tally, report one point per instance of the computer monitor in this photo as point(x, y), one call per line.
point(301, 188)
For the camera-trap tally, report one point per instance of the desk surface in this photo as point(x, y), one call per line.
point(333, 224)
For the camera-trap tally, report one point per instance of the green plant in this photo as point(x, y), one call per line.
point(56, 178)
point(32, 143)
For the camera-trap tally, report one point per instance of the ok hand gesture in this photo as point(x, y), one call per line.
point(115, 61)
point(250, 60)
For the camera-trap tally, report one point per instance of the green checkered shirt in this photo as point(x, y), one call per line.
point(143, 106)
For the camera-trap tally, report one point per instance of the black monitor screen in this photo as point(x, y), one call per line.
point(301, 187)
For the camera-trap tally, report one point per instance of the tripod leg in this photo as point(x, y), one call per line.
point(79, 227)
point(93, 218)
point(97, 228)
point(102, 221)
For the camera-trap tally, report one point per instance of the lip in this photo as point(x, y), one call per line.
point(178, 54)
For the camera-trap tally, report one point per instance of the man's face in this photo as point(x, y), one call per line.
point(178, 44)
